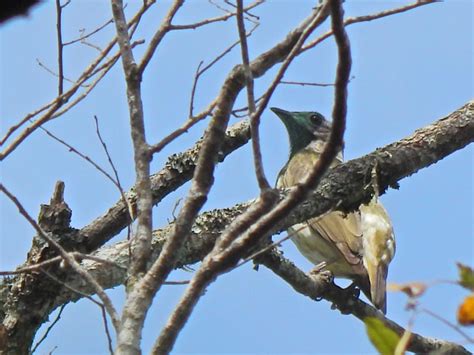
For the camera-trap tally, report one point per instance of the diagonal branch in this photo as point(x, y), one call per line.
point(343, 188)
point(218, 261)
point(310, 287)
point(69, 259)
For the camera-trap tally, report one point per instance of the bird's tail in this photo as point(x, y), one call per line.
point(377, 278)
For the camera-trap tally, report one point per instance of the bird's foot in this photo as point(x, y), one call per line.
point(325, 276)
point(320, 275)
point(319, 272)
point(353, 291)
point(350, 294)
point(318, 268)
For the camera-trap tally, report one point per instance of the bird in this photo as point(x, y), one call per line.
point(359, 245)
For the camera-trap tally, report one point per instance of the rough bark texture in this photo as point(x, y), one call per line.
point(27, 300)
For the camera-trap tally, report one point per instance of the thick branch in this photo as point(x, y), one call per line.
point(310, 287)
point(344, 188)
point(171, 177)
point(177, 171)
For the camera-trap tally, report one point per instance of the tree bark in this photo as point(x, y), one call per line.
point(26, 300)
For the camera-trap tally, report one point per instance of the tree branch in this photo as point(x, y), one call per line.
point(344, 188)
point(308, 286)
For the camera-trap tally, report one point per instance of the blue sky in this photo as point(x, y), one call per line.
point(409, 70)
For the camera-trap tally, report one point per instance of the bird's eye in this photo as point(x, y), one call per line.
point(316, 119)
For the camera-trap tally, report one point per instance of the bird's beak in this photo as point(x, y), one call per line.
point(284, 115)
point(280, 112)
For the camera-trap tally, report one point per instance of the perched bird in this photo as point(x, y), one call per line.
point(358, 245)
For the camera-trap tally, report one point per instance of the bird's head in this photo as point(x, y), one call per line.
point(304, 127)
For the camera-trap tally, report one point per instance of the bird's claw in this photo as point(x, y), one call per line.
point(353, 291)
point(349, 294)
point(319, 272)
point(318, 268)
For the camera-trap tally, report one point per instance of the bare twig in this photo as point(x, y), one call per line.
point(250, 17)
point(67, 258)
point(45, 335)
point(254, 119)
point(87, 35)
point(365, 18)
point(83, 156)
point(25, 119)
point(103, 70)
point(57, 259)
point(117, 178)
point(59, 101)
point(42, 65)
point(183, 129)
point(200, 71)
point(102, 306)
point(228, 250)
point(165, 27)
point(225, 17)
point(59, 35)
point(302, 83)
point(449, 324)
point(244, 109)
point(193, 89)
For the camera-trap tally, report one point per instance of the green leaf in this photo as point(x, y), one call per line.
point(383, 338)
point(466, 276)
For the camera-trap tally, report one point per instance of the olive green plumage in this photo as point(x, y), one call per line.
point(357, 246)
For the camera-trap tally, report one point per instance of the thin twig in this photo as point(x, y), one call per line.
point(449, 324)
point(59, 101)
point(107, 331)
point(225, 17)
point(200, 71)
point(83, 156)
point(183, 129)
point(117, 178)
point(244, 109)
point(225, 252)
point(193, 89)
point(45, 335)
point(302, 83)
point(60, 46)
point(165, 27)
point(45, 67)
point(351, 20)
point(57, 259)
point(87, 35)
point(192, 120)
point(102, 306)
point(251, 17)
point(254, 119)
point(25, 119)
point(103, 70)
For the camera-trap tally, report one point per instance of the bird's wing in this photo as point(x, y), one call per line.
point(344, 231)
